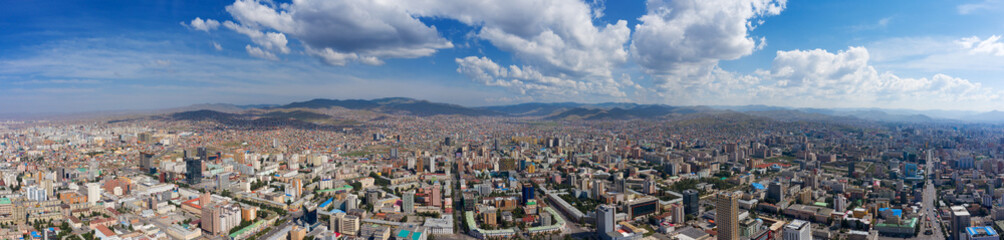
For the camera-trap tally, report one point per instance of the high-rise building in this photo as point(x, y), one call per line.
point(620, 183)
point(297, 233)
point(960, 221)
point(205, 199)
point(527, 193)
point(605, 219)
point(408, 204)
point(650, 186)
point(839, 203)
point(351, 202)
point(223, 181)
point(776, 191)
point(797, 230)
point(850, 169)
point(297, 185)
point(146, 162)
point(349, 225)
point(727, 215)
point(193, 168)
point(209, 213)
point(431, 164)
point(437, 195)
point(679, 215)
point(372, 196)
point(93, 192)
point(599, 189)
point(309, 214)
point(203, 154)
point(35, 193)
point(219, 219)
point(691, 202)
point(334, 221)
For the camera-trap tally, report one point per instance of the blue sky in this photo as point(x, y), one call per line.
point(72, 56)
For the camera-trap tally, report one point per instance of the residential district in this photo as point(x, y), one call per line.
point(455, 177)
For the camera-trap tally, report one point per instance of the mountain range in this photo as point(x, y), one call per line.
point(318, 111)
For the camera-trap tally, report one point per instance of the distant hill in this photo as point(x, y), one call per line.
point(261, 119)
point(533, 109)
point(992, 116)
point(394, 106)
point(323, 112)
point(630, 112)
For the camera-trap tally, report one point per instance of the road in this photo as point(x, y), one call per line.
point(930, 210)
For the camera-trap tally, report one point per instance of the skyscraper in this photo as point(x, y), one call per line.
point(193, 174)
point(408, 204)
point(850, 170)
point(527, 193)
point(960, 221)
point(727, 215)
point(605, 220)
point(432, 165)
point(776, 191)
point(203, 154)
point(691, 201)
point(146, 161)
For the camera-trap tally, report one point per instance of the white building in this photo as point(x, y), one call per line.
point(798, 230)
point(36, 194)
point(93, 192)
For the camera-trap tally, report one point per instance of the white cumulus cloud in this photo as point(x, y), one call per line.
point(556, 38)
point(685, 40)
point(975, 45)
point(203, 25)
point(259, 53)
point(529, 81)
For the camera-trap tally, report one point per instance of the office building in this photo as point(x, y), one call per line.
point(309, 214)
point(642, 207)
point(203, 154)
point(146, 162)
point(797, 230)
point(727, 215)
point(850, 169)
point(527, 193)
point(193, 171)
point(605, 219)
point(431, 164)
point(960, 221)
point(691, 202)
point(776, 191)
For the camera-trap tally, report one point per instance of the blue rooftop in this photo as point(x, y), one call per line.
point(897, 212)
point(325, 204)
point(976, 230)
point(758, 186)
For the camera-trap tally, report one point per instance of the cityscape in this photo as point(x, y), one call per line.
point(362, 169)
point(497, 120)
